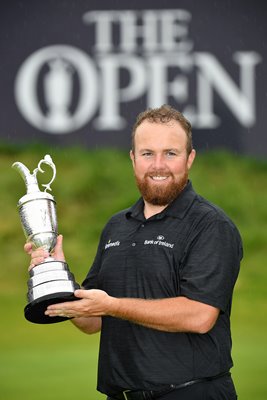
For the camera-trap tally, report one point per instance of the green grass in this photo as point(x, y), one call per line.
point(57, 361)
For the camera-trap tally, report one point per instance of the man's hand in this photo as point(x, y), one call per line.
point(38, 255)
point(92, 303)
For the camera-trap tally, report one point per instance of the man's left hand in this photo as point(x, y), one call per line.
point(92, 303)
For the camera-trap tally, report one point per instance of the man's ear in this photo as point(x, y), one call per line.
point(132, 156)
point(191, 158)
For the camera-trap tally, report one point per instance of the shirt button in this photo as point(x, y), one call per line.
point(133, 244)
point(143, 225)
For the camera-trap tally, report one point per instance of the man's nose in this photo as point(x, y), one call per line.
point(159, 161)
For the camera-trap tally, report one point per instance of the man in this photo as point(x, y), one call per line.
point(160, 288)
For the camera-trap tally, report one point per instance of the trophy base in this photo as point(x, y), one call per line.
point(35, 311)
point(50, 282)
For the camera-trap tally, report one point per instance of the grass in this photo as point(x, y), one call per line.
point(57, 361)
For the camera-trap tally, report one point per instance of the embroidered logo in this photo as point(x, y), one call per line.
point(159, 242)
point(112, 244)
point(160, 237)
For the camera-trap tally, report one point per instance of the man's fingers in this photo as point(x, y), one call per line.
point(66, 309)
point(37, 256)
point(81, 294)
point(28, 248)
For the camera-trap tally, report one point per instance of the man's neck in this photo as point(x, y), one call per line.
point(151, 209)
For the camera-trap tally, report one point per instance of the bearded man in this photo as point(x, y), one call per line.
point(160, 288)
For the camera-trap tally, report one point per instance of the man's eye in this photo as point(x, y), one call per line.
point(171, 154)
point(147, 154)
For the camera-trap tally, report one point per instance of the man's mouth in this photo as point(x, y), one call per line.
point(159, 178)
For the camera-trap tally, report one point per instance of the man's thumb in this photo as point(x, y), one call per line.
point(81, 293)
point(58, 250)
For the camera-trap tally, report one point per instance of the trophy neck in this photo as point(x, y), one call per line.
point(35, 196)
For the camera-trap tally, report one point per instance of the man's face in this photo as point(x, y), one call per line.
point(160, 161)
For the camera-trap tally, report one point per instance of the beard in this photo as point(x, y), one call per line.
point(160, 194)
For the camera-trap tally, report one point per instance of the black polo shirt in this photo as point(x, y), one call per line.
point(190, 249)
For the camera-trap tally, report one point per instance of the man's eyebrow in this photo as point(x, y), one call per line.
point(173, 149)
point(145, 149)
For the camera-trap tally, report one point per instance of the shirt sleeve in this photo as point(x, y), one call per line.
point(211, 264)
point(91, 280)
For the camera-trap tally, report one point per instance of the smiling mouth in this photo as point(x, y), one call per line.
point(159, 178)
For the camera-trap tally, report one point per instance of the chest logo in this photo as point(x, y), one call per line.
point(160, 241)
point(112, 244)
point(160, 237)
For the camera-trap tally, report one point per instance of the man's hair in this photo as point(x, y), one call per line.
point(163, 115)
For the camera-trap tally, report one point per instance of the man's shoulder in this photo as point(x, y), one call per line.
point(207, 209)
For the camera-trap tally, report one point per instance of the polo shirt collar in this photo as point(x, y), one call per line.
point(176, 209)
point(179, 207)
point(137, 210)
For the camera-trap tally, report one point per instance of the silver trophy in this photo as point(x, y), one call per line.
point(51, 281)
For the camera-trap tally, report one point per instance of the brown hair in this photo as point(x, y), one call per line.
point(164, 114)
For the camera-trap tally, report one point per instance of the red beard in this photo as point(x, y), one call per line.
point(160, 194)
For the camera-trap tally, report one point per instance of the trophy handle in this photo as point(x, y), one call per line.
point(46, 160)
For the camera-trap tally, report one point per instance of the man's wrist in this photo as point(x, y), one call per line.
point(113, 306)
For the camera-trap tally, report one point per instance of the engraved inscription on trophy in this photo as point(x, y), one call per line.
point(51, 281)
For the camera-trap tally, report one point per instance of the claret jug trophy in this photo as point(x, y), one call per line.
point(51, 281)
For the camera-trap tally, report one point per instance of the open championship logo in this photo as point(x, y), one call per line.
point(60, 88)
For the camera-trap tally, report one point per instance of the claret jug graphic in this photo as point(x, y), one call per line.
point(51, 281)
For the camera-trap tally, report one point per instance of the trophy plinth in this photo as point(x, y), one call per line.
point(50, 282)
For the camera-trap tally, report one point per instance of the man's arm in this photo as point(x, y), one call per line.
point(178, 314)
point(88, 325)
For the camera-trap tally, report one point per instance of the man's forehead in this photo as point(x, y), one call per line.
point(169, 131)
point(149, 123)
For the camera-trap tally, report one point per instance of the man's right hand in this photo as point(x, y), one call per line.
point(39, 255)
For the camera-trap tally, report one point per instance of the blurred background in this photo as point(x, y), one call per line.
point(74, 75)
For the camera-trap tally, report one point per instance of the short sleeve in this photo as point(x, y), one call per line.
point(211, 264)
point(91, 280)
